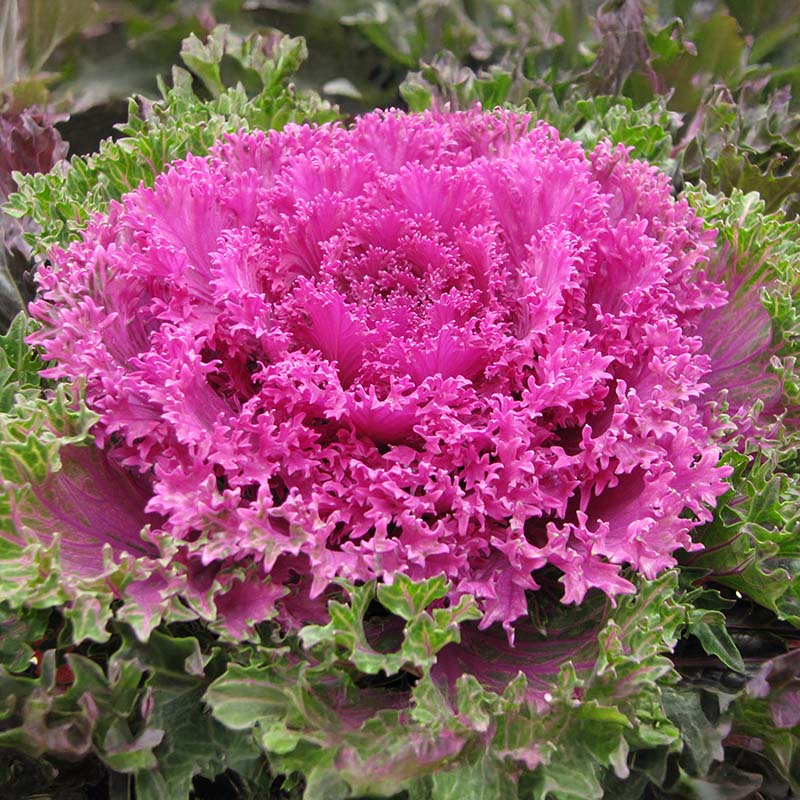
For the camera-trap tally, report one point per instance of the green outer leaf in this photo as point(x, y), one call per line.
point(49, 22)
point(204, 59)
point(18, 630)
point(753, 543)
point(303, 706)
point(487, 779)
point(19, 364)
point(709, 629)
point(702, 739)
point(245, 696)
point(32, 434)
point(424, 635)
point(407, 599)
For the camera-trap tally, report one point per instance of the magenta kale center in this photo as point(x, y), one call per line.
point(425, 344)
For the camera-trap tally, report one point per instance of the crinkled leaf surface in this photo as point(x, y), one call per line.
point(561, 732)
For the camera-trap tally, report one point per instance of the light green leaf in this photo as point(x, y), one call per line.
point(244, 696)
point(715, 640)
point(50, 22)
point(407, 599)
point(487, 779)
point(204, 58)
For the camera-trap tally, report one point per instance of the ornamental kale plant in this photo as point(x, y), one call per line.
point(426, 344)
point(311, 426)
